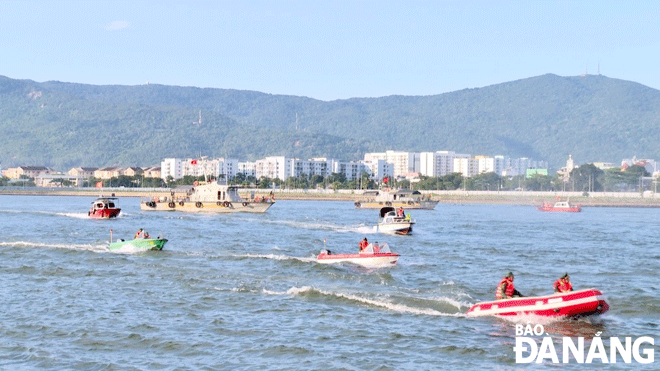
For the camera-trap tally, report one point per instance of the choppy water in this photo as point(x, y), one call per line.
point(243, 292)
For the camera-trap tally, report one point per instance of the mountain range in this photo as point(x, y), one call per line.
point(62, 125)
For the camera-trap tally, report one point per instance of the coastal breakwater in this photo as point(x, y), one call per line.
point(592, 199)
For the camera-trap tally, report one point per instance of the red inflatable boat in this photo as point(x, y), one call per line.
point(568, 304)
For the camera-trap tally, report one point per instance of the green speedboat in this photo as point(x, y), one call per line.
point(139, 244)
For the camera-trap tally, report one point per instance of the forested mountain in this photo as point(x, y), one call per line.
point(593, 117)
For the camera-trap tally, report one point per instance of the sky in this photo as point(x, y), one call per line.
point(325, 49)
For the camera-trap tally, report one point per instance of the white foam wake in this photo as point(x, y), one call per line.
point(277, 257)
point(88, 247)
point(399, 308)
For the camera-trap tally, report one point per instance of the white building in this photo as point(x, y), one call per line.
point(468, 166)
point(247, 168)
point(491, 164)
point(403, 163)
point(227, 168)
point(352, 169)
point(171, 167)
point(379, 168)
point(314, 166)
point(274, 167)
point(438, 163)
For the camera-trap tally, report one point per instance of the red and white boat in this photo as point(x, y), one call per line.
point(371, 257)
point(104, 208)
point(566, 304)
point(565, 206)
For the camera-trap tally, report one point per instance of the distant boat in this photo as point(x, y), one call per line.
point(565, 206)
point(400, 198)
point(139, 244)
point(371, 257)
point(104, 208)
point(389, 222)
point(212, 197)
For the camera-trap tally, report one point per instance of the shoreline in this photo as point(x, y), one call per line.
point(595, 199)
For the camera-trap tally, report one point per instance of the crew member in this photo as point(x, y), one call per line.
point(400, 213)
point(138, 234)
point(563, 284)
point(506, 289)
point(363, 244)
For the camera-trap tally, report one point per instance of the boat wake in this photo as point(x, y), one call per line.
point(308, 291)
point(85, 247)
point(324, 225)
point(73, 215)
point(277, 257)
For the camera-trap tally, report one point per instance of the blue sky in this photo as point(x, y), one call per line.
point(328, 49)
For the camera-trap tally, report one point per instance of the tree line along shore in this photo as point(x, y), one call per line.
point(593, 199)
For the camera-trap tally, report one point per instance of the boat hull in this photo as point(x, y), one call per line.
point(572, 209)
point(569, 304)
point(401, 228)
point(141, 244)
point(365, 260)
point(206, 207)
point(427, 205)
point(104, 213)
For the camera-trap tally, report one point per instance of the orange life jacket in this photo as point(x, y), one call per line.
point(508, 291)
point(563, 286)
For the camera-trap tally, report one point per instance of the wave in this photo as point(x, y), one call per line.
point(86, 247)
point(395, 307)
point(277, 257)
point(323, 225)
point(75, 215)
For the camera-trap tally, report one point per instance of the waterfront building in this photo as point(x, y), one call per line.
point(490, 164)
point(468, 166)
point(247, 168)
point(648, 164)
point(56, 180)
point(151, 172)
point(438, 163)
point(132, 171)
point(171, 167)
point(351, 169)
point(108, 172)
point(379, 169)
point(81, 174)
point(28, 171)
point(274, 167)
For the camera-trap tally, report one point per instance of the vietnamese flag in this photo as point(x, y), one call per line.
point(193, 162)
point(99, 184)
point(386, 179)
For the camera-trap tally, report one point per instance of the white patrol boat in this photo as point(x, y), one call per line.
point(400, 198)
point(211, 197)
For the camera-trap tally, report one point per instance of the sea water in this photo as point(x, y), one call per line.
point(243, 291)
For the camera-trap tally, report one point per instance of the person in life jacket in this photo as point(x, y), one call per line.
point(563, 284)
point(400, 213)
point(363, 244)
point(506, 288)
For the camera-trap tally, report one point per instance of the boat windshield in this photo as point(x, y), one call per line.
point(376, 248)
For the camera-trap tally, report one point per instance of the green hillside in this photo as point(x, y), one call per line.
point(594, 118)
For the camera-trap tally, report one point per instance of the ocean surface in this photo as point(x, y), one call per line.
point(243, 291)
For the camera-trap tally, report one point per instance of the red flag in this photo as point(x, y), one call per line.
point(193, 162)
point(386, 179)
point(99, 184)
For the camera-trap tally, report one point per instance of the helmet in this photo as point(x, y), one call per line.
point(510, 274)
point(565, 275)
